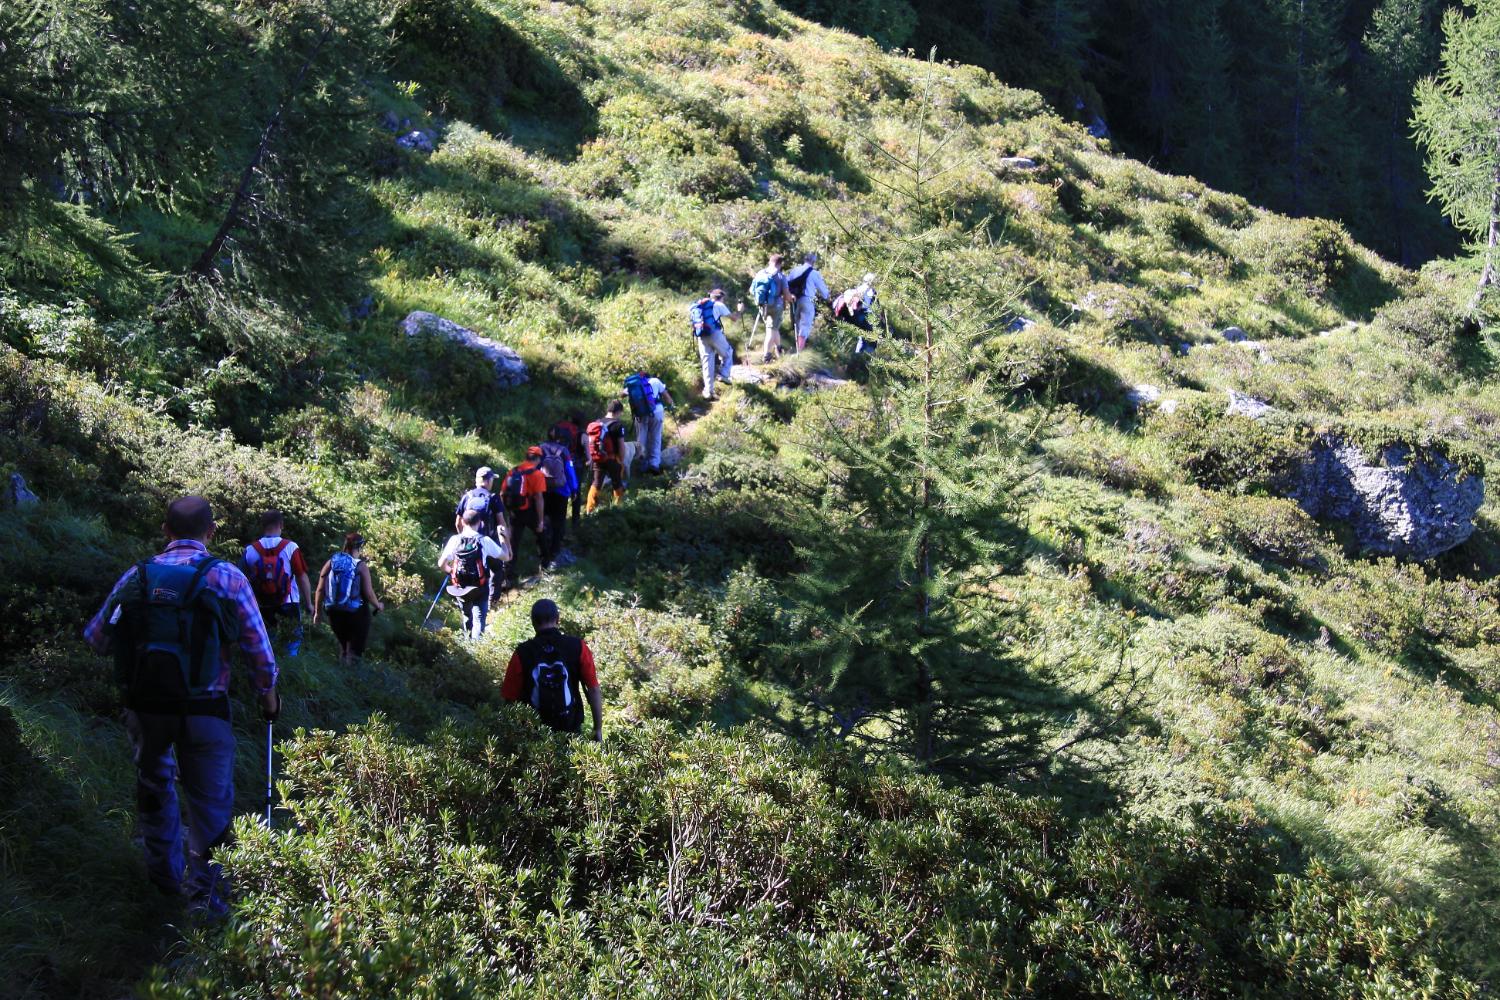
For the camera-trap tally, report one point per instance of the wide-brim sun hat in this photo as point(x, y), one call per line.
point(458, 590)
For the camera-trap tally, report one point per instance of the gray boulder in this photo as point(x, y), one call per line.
point(746, 375)
point(1017, 163)
point(1142, 395)
point(510, 370)
point(418, 140)
point(1234, 334)
point(1399, 502)
point(19, 494)
point(1244, 405)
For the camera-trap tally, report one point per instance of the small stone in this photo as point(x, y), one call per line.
point(1018, 163)
point(1234, 335)
point(1244, 405)
point(1139, 396)
point(1018, 324)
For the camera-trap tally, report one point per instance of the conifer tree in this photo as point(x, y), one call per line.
point(1457, 119)
point(897, 634)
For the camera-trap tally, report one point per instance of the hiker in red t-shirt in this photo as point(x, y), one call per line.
point(553, 673)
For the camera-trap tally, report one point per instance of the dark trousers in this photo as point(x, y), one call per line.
point(197, 753)
point(351, 628)
point(284, 619)
point(556, 509)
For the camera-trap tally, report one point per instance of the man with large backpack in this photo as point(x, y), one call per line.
point(470, 560)
point(524, 494)
point(768, 290)
point(553, 672)
point(562, 484)
point(605, 439)
point(278, 572)
point(649, 400)
point(707, 318)
point(806, 286)
point(569, 431)
point(171, 623)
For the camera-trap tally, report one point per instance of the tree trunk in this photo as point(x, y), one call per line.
point(234, 215)
point(1297, 108)
point(1487, 275)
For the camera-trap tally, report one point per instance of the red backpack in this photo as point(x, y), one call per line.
point(269, 577)
point(596, 436)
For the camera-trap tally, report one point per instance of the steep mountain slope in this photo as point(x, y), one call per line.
point(1321, 721)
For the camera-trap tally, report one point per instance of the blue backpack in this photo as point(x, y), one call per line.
point(763, 289)
point(704, 321)
point(343, 583)
point(171, 629)
point(643, 401)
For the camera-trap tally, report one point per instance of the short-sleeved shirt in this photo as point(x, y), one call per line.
point(659, 387)
point(291, 558)
point(229, 584)
point(513, 686)
point(492, 549)
point(533, 483)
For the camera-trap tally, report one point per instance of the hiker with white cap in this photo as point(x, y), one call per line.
point(470, 559)
point(806, 286)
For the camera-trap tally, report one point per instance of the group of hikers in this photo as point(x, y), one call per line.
point(171, 622)
point(773, 291)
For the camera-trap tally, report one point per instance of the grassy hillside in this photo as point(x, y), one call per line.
point(1299, 795)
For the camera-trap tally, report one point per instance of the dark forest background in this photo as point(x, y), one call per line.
point(1300, 105)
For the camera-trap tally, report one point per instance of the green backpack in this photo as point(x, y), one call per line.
point(172, 627)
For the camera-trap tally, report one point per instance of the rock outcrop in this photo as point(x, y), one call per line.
point(510, 370)
point(1244, 405)
point(19, 494)
point(1400, 501)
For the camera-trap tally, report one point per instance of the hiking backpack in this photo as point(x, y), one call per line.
point(269, 576)
point(550, 663)
point(596, 434)
point(515, 484)
point(555, 460)
point(763, 288)
point(343, 583)
point(704, 321)
point(171, 629)
point(469, 567)
point(796, 282)
point(643, 401)
point(478, 499)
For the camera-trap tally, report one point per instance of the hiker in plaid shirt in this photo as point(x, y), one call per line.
point(180, 731)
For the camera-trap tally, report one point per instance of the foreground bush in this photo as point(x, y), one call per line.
point(496, 860)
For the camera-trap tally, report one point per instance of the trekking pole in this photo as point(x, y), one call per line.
point(435, 598)
point(270, 787)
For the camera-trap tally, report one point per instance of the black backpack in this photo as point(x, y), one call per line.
point(551, 664)
point(168, 639)
point(469, 567)
point(479, 499)
point(796, 282)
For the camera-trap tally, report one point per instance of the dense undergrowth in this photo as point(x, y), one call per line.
point(1299, 799)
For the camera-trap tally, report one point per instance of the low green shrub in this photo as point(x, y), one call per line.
point(1231, 452)
point(497, 860)
point(1269, 526)
point(1315, 252)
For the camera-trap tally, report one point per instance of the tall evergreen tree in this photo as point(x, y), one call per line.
point(897, 633)
point(1457, 119)
point(1398, 47)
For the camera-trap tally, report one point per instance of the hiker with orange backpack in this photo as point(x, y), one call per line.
point(470, 559)
point(524, 494)
point(605, 439)
point(277, 571)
